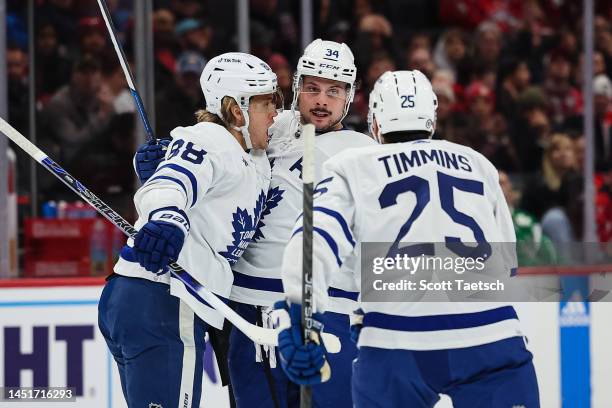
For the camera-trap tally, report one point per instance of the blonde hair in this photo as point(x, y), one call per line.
point(552, 178)
point(226, 119)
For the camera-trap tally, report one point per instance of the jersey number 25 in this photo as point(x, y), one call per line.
point(420, 187)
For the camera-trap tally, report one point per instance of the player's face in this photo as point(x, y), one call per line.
point(322, 102)
point(262, 110)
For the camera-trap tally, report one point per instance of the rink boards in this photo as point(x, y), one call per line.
point(50, 333)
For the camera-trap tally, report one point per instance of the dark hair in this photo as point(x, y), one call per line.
point(87, 63)
point(508, 67)
point(406, 136)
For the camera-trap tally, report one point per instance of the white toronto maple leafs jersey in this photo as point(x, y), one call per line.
point(257, 277)
point(222, 189)
point(426, 191)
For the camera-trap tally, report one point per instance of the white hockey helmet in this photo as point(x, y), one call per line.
point(402, 101)
point(239, 76)
point(330, 60)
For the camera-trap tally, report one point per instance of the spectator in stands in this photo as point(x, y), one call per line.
point(420, 58)
point(17, 76)
point(451, 54)
point(551, 193)
point(18, 107)
point(187, 8)
point(52, 64)
point(486, 130)
point(358, 113)
point(378, 29)
point(166, 46)
point(114, 82)
point(531, 132)
point(284, 75)
point(564, 99)
point(177, 103)
point(102, 164)
point(64, 17)
point(279, 24)
point(603, 40)
point(568, 43)
point(533, 247)
point(92, 37)
point(487, 46)
point(262, 40)
point(339, 32)
point(602, 89)
point(79, 111)
point(419, 40)
point(194, 35)
point(599, 68)
point(450, 125)
point(514, 77)
point(373, 37)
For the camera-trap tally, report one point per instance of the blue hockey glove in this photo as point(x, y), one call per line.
point(160, 240)
point(356, 319)
point(304, 364)
point(148, 156)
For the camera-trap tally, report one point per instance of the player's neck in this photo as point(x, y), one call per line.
point(239, 138)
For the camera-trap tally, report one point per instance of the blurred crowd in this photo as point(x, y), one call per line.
point(508, 76)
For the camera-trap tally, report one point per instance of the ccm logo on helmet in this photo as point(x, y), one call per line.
point(329, 66)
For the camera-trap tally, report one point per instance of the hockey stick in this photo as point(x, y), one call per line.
point(257, 334)
point(126, 70)
point(308, 170)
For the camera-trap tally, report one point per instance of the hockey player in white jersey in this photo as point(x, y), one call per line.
point(200, 207)
point(412, 189)
point(323, 88)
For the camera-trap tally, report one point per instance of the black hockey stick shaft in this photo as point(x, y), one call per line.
point(307, 302)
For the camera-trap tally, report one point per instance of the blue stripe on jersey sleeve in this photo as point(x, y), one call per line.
point(276, 285)
point(175, 180)
point(339, 293)
point(341, 221)
point(186, 172)
point(438, 322)
point(257, 282)
point(328, 238)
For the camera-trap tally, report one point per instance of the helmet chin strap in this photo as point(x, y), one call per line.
point(244, 130)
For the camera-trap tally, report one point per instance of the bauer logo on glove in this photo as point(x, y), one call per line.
point(161, 239)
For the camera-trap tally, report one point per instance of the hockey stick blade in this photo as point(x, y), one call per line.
point(257, 334)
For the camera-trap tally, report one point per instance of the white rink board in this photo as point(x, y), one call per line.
point(51, 310)
point(54, 309)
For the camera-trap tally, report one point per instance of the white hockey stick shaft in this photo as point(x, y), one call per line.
point(126, 69)
point(257, 334)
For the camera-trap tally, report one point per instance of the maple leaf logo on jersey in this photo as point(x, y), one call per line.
point(275, 195)
point(244, 230)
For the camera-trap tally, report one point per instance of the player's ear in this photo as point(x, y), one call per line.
point(237, 117)
point(376, 132)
